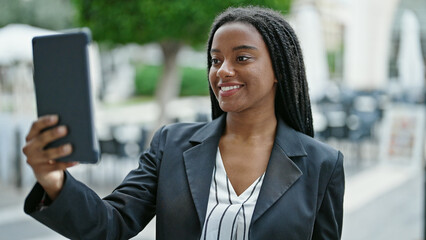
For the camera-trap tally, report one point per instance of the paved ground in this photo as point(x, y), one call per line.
point(388, 209)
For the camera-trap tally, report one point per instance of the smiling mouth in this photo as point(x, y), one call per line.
point(229, 88)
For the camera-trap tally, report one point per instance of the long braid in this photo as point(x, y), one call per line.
point(292, 103)
point(295, 75)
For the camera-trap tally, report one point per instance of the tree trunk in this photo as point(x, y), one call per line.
point(168, 87)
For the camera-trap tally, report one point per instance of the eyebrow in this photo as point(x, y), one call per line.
point(241, 47)
point(244, 47)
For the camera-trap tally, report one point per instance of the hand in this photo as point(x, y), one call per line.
point(48, 172)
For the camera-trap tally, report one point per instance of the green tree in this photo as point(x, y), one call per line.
point(171, 23)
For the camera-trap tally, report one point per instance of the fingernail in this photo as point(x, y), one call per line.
point(53, 118)
point(61, 130)
point(66, 148)
point(51, 161)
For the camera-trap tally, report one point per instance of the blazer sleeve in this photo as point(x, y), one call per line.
point(79, 213)
point(328, 223)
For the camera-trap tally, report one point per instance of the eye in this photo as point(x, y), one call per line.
point(242, 58)
point(215, 61)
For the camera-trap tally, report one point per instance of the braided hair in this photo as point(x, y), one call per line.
point(292, 102)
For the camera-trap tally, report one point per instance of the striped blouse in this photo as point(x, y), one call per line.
point(228, 215)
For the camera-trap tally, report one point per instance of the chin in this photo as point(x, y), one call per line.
point(230, 109)
point(226, 109)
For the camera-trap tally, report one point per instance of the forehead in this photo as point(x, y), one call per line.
point(235, 34)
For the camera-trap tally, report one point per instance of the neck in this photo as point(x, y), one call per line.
point(253, 125)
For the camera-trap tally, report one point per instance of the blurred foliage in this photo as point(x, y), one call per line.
point(334, 62)
point(331, 60)
point(194, 80)
point(172, 23)
point(186, 21)
point(146, 79)
point(49, 14)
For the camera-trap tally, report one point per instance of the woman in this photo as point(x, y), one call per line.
point(254, 172)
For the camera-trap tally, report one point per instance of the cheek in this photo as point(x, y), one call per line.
point(212, 79)
point(268, 73)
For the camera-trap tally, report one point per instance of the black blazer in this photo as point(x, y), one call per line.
point(301, 196)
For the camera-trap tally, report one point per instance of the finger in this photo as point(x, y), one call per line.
point(58, 152)
point(29, 150)
point(64, 165)
point(57, 165)
point(40, 124)
point(53, 165)
point(37, 156)
point(49, 136)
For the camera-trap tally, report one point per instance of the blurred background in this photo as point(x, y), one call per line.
point(365, 63)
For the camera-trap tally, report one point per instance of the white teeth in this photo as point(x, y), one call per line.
point(230, 88)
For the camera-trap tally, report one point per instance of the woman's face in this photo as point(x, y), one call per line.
point(241, 75)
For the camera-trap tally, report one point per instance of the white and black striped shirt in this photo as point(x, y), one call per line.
point(228, 215)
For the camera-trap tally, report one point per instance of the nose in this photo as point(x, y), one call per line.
point(226, 70)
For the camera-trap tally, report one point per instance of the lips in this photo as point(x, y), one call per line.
point(229, 90)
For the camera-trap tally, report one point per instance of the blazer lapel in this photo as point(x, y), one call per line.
point(281, 172)
point(199, 162)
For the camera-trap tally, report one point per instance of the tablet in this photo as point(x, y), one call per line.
point(62, 87)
